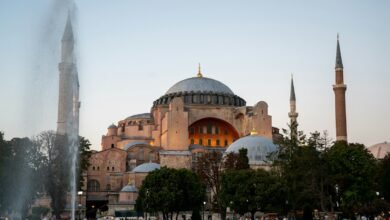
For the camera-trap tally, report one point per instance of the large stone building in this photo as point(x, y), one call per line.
point(196, 114)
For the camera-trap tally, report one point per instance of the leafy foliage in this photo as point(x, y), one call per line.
point(170, 191)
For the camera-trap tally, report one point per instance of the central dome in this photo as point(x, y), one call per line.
point(200, 84)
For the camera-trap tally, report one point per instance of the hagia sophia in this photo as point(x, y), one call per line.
point(194, 115)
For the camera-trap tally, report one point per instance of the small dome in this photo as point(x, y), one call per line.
point(200, 84)
point(380, 150)
point(129, 188)
point(146, 167)
point(259, 148)
point(132, 144)
point(112, 126)
point(140, 116)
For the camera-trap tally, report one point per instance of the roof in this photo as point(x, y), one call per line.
point(68, 33)
point(339, 61)
point(140, 116)
point(175, 152)
point(112, 126)
point(380, 150)
point(200, 84)
point(129, 188)
point(292, 92)
point(132, 144)
point(146, 167)
point(259, 148)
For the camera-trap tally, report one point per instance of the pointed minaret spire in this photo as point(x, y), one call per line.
point(339, 89)
point(339, 61)
point(199, 72)
point(68, 41)
point(68, 32)
point(293, 115)
point(292, 92)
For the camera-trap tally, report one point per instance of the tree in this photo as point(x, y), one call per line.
point(83, 164)
point(209, 168)
point(57, 165)
point(237, 161)
point(300, 163)
point(252, 190)
point(351, 169)
point(170, 191)
point(18, 171)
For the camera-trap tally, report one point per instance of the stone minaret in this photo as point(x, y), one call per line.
point(339, 90)
point(293, 115)
point(68, 99)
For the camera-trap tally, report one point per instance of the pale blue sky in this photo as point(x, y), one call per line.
point(131, 52)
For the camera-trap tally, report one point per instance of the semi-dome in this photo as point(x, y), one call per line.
point(146, 167)
point(200, 84)
point(259, 148)
point(129, 188)
point(134, 143)
point(380, 150)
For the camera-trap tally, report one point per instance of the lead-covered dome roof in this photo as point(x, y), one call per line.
point(259, 148)
point(200, 84)
point(380, 150)
point(201, 91)
point(129, 188)
point(146, 167)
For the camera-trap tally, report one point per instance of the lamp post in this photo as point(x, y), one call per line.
point(204, 205)
point(337, 195)
point(231, 206)
point(80, 193)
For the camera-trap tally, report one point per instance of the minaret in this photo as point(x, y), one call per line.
point(68, 99)
point(293, 115)
point(339, 90)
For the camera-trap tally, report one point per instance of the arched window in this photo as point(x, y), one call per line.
point(141, 154)
point(93, 186)
point(140, 126)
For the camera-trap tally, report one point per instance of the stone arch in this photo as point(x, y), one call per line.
point(212, 132)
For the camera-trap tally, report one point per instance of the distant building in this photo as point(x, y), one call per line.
point(380, 150)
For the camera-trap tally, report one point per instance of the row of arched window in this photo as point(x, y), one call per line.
point(94, 186)
point(98, 168)
point(209, 142)
point(212, 99)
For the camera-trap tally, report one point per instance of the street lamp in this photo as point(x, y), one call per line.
point(337, 195)
point(80, 193)
point(231, 206)
point(204, 205)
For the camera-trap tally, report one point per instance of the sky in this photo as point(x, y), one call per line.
point(129, 53)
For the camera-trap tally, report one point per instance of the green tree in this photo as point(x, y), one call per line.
point(351, 170)
point(252, 190)
point(18, 169)
point(237, 161)
point(301, 165)
point(170, 191)
point(83, 164)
